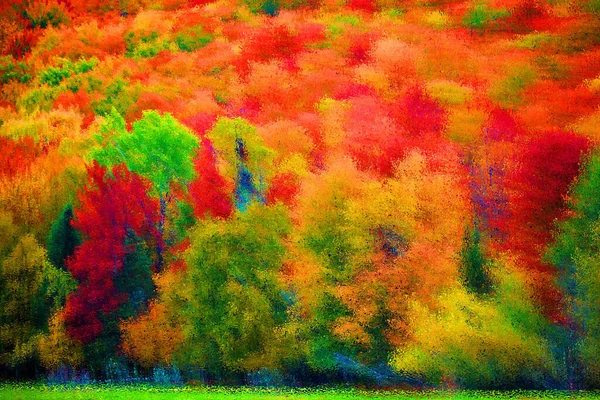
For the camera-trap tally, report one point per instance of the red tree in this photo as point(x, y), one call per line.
point(209, 191)
point(111, 208)
point(17, 156)
point(537, 186)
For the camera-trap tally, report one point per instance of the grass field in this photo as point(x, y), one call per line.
point(42, 392)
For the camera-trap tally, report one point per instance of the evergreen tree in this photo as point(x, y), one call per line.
point(63, 239)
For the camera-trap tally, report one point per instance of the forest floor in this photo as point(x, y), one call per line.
point(43, 392)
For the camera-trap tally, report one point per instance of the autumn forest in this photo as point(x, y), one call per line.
point(378, 193)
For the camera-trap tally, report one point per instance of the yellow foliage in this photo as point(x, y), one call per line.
point(37, 196)
point(589, 126)
point(473, 339)
point(436, 19)
point(333, 116)
point(22, 274)
point(448, 92)
point(153, 20)
point(594, 85)
point(464, 126)
point(302, 271)
point(374, 77)
point(152, 339)
point(427, 209)
point(44, 127)
point(57, 348)
point(8, 233)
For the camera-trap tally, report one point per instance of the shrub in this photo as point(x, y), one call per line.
point(192, 39)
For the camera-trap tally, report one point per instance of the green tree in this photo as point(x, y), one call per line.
point(31, 289)
point(63, 239)
point(473, 263)
point(158, 148)
point(576, 253)
point(237, 309)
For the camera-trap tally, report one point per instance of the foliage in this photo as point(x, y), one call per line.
point(237, 311)
point(290, 192)
point(574, 253)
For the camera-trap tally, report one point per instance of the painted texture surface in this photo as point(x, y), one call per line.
point(373, 193)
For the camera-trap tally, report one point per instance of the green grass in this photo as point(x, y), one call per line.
point(42, 392)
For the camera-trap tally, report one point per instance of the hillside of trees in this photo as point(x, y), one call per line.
point(381, 193)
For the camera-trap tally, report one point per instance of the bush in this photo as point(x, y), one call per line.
point(46, 13)
point(53, 76)
point(481, 16)
point(12, 70)
point(192, 39)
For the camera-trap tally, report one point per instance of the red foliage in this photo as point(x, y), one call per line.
point(312, 124)
point(420, 114)
point(21, 43)
point(501, 126)
point(161, 59)
point(271, 42)
point(210, 193)
point(80, 101)
point(374, 142)
point(363, 5)
point(150, 101)
point(311, 33)
point(198, 3)
point(564, 105)
point(200, 123)
point(195, 19)
point(284, 188)
point(142, 77)
point(17, 156)
point(110, 208)
point(360, 48)
point(529, 15)
point(351, 89)
point(537, 187)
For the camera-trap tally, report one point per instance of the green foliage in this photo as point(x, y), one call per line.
point(158, 148)
point(395, 13)
point(63, 239)
point(13, 70)
point(534, 41)
point(192, 39)
point(135, 278)
point(237, 310)
point(481, 16)
point(31, 289)
point(223, 136)
point(42, 14)
point(53, 76)
point(508, 91)
point(40, 99)
point(118, 95)
point(575, 253)
point(473, 264)
point(550, 68)
point(270, 7)
point(145, 45)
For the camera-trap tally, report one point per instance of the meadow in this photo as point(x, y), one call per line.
point(22, 392)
